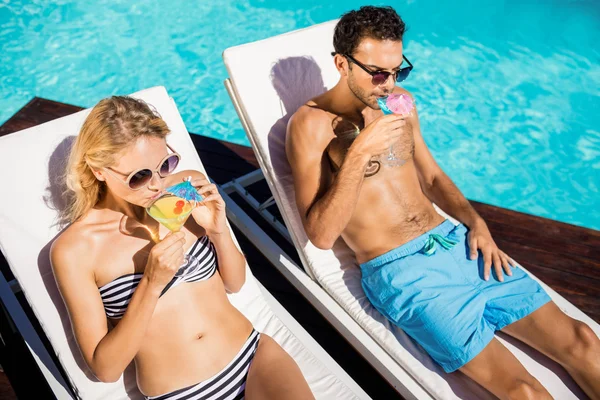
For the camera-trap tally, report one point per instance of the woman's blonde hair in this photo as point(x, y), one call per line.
point(114, 124)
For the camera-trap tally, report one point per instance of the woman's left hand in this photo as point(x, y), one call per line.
point(210, 212)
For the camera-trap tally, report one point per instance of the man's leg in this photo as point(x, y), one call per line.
point(571, 343)
point(498, 370)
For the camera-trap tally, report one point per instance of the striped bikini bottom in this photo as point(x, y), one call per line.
point(228, 384)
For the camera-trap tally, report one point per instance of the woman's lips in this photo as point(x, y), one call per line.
point(156, 195)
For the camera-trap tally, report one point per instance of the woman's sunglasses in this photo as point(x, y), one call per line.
point(140, 178)
point(381, 77)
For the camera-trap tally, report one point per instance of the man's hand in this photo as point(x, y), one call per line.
point(480, 238)
point(377, 137)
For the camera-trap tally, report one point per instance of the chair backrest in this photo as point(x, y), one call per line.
point(271, 78)
point(31, 196)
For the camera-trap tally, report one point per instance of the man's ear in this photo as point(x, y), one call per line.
point(341, 63)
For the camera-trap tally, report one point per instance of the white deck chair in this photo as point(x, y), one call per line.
point(27, 229)
point(268, 81)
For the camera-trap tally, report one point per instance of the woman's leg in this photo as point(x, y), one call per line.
point(499, 371)
point(275, 375)
point(571, 343)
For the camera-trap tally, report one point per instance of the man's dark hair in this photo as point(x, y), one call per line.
point(381, 23)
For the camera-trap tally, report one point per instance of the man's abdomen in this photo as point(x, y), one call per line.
point(391, 210)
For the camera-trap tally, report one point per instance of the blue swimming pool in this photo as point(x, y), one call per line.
point(508, 93)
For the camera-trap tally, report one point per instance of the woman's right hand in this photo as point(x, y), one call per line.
point(377, 137)
point(165, 259)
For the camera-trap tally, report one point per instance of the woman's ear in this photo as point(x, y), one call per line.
point(99, 174)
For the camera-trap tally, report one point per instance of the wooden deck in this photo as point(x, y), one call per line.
point(564, 256)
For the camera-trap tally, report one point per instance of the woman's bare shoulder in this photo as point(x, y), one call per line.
point(73, 248)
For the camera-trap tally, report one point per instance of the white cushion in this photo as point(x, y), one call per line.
point(27, 228)
point(271, 79)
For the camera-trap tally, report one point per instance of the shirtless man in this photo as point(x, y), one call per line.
point(450, 288)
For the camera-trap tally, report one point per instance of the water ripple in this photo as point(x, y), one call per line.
point(509, 111)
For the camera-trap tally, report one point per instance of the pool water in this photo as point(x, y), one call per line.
point(508, 93)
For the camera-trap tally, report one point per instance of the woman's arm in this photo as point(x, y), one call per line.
point(232, 263)
point(108, 353)
point(210, 215)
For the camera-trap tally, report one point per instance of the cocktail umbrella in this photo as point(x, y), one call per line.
point(396, 104)
point(185, 190)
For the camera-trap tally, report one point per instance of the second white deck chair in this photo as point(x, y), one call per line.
point(268, 81)
point(30, 197)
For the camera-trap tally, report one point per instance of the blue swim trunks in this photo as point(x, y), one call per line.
point(431, 289)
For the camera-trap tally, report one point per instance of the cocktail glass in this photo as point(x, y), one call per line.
point(172, 212)
point(392, 159)
point(400, 104)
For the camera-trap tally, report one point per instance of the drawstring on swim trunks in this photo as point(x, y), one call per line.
point(430, 246)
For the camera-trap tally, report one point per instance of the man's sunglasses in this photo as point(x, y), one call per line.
point(140, 178)
point(381, 77)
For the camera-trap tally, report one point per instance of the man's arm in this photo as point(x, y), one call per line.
point(325, 210)
point(440, 189)
point(437, 186)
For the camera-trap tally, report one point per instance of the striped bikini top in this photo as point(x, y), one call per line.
point(117, 294)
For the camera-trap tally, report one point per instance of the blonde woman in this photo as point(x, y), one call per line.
point(186, 338)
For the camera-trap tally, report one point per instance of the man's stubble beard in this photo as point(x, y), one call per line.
point(359, 92)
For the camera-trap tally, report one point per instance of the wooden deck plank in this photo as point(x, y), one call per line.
point(6, 390)
point(564, 256)
point(583, 252)
point(537, 225)
point(36, 112)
